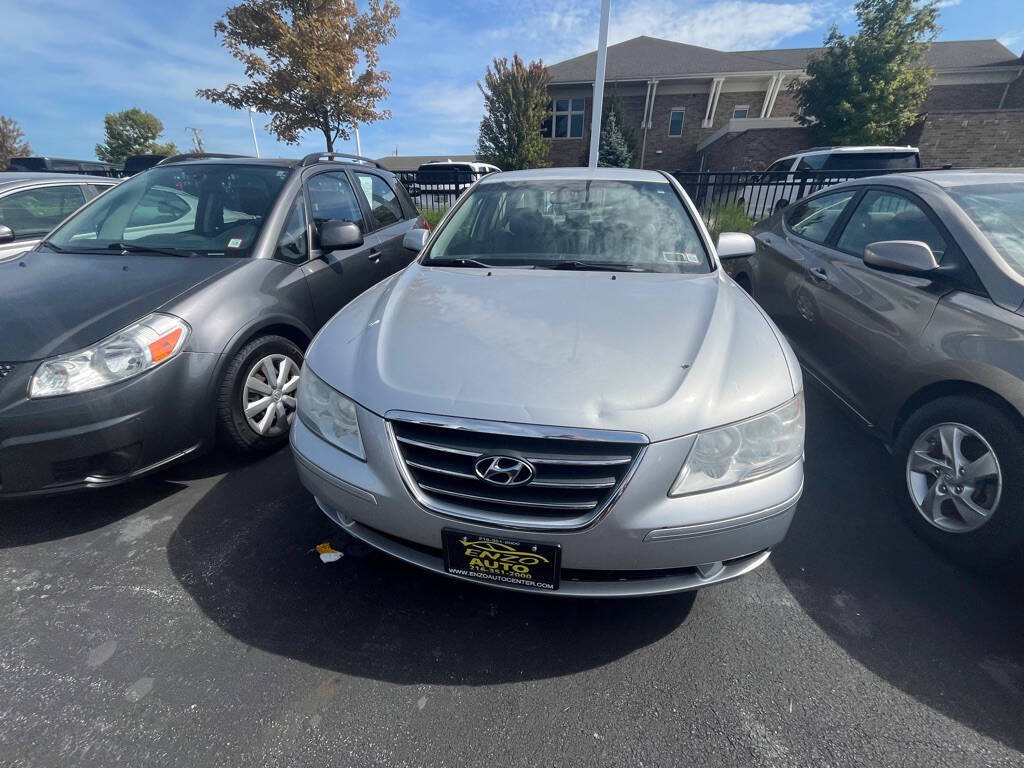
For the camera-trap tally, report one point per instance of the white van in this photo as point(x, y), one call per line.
point(768, 192)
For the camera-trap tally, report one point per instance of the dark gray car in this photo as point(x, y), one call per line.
point(903, 295)
point(176, 308)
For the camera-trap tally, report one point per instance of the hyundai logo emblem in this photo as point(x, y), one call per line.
point(506, 471)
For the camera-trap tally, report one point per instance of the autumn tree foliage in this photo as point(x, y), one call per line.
point(312, 65)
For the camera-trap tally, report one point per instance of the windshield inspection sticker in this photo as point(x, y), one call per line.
point(677, 257)
point(235, 242)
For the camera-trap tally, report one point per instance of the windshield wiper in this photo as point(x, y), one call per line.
point(603, 266)
point(132, 248)
point(456, 262)
point(53, 247)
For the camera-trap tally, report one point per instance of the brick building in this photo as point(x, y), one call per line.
point(697, 108)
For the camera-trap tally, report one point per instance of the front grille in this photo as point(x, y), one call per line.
point(576, 473)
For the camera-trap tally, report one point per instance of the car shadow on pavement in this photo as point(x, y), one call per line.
point(245, 553)
point(37, 519)
point(942, 634)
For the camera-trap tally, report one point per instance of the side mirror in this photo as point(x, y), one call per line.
point(735, 245)
point(6, 235)
point(415, 239)
point(909, 256)
point(338, 235)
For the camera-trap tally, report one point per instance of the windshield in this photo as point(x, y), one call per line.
point(998, 210)
point(211, 210)
point(626, 224)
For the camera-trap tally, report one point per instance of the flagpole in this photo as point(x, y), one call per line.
point(602, 55)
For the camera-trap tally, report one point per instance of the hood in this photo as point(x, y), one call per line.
point(661, 354)
point(51, 303)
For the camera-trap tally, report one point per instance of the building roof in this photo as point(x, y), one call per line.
point(412, 162)
point(643, 57)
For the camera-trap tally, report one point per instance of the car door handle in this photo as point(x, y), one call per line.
point(819, 273)
point(373, 255)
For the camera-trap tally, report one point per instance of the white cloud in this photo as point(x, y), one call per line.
point(1013, 40)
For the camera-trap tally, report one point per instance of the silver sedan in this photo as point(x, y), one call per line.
point(565, 393)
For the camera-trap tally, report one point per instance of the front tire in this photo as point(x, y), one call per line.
point(256, 403)
point(960, 462)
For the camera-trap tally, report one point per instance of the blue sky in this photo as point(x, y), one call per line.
point(65, 63)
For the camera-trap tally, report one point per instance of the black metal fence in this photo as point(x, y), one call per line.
point(759, 194)
point(436, 189)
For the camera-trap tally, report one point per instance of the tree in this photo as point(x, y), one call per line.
point(132, 132)
point(515, 106)
point(868, 88)
point(300, 57)
point(613, 107)
point(613, 151)
point(12, 142)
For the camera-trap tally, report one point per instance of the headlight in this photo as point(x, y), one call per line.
point(744, 451)
point(329, 413)
point(153, 340)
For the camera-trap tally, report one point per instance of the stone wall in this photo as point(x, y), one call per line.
point(973, 139)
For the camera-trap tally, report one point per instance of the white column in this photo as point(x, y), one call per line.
point(713, 94)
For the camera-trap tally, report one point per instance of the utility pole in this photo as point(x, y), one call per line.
point(197, 140)
point(252, 128)
point(602, 56)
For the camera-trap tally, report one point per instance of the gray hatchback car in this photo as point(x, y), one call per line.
point(565, 393)
point(903, 295)
point(174, 310)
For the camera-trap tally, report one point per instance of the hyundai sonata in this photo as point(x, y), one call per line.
point(564, 393)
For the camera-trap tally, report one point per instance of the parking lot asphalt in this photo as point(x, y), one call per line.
point(186, 620)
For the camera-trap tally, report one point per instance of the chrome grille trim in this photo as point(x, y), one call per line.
point(434, 456)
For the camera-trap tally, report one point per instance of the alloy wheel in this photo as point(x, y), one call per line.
point(268, 395)
point(954, 477)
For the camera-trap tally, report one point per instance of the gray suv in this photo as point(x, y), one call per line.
point(903, 294)
point(565, 393)
point(173, 311)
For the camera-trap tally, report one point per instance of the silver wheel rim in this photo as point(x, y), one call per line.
point(954, 477)
point(268, 396)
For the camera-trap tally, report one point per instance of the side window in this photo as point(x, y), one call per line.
point(889, 216)
point(331, 197)
point(384, 206)
point(779, 165)
point(37, 211)
point(815, 218)
point(292, 244)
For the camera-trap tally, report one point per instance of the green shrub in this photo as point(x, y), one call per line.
point(728, 218)
point(433, 216)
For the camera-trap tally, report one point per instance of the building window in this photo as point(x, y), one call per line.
point(675, 122)
point(567, 119)
point(741, 111)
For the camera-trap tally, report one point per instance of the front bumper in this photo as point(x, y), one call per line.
point(647, 543)
point(105, 436)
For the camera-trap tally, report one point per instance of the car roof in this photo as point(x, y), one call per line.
point(945, 179)
point(965, 176)
point(27, 178)
point(279, 162)
point(850, 150)
point(565, 174)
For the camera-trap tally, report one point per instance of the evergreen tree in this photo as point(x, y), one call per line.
point(613, 152)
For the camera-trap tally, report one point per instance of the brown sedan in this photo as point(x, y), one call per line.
point(902, 295)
